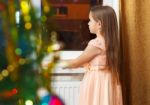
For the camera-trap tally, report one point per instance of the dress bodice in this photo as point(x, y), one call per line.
point(99, 61)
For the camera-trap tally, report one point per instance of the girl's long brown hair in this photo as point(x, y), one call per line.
point(108, 19)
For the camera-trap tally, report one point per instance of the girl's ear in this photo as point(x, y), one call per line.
point(99, 24)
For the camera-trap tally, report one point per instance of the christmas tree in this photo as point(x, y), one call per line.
point(24, 43)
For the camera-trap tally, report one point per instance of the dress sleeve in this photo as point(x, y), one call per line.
point(96, 43)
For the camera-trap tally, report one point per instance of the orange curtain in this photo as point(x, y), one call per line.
point(135, 40)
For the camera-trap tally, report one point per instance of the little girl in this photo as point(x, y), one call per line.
point(101, 84)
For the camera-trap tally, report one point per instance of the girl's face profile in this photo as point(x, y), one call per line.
point(93, 25)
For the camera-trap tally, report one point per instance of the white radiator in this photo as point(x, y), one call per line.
point(67, 90)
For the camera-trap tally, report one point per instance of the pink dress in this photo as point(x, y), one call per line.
point(96, 87)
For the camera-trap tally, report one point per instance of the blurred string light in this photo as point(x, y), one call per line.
point(27, 18)
point(5, 72)
point(18, 51)
point(28, 25)
point(43, 18)
point(10, 68)
point(25, 7)
point(46, 7)
point(46, 10)
point(9, 93)
point(28, 102)
point(17, 16)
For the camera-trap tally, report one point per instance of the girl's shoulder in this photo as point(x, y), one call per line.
point(97, 42)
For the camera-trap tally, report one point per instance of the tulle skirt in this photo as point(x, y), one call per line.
point(97, 88)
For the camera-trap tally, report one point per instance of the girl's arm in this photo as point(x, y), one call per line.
point(88, 54)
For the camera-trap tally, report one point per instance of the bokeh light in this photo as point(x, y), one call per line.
point(28, 25)
point(18, 51)
point(25, 7)
point(46, 9)
point(22, 61)
point(5, 73)
point(14, 91)
point(28, 102)
point(10, 68)
point(27, 18)
point(43, 18)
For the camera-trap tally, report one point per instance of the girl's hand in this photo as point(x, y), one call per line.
point(63, 64)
